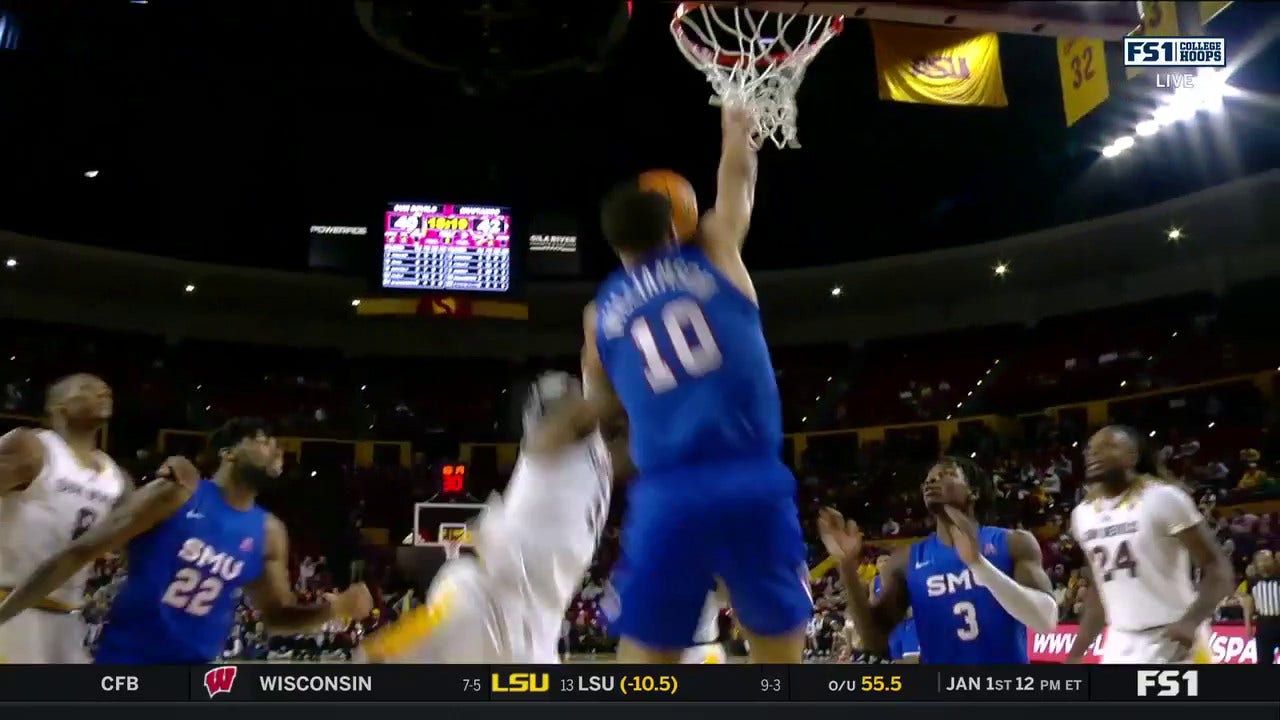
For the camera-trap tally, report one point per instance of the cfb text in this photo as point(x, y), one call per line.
point(120, 683)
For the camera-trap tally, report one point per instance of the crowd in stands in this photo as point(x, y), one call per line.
point(1198, 374)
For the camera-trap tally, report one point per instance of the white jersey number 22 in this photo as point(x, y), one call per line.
point(678, 316)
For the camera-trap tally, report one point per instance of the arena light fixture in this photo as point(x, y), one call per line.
point(355, 302)
point(91, 174)
point(836, 291)
point(11, 263)
point(1183, 104)
point(314, 473)
point(190, 288)
point(1174, 234)
point(804, 419)
point(1001, 269)
point(1123, 383)
point(1211, 424)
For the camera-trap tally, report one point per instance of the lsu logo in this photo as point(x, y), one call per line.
point(521, 683)
point(220, 680)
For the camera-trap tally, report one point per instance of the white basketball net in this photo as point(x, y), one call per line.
point(754, 58)
point(452, 550)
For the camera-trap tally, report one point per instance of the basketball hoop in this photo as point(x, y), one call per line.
point(755, 58)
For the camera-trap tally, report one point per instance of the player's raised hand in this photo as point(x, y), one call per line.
point(840, 537)
point(963, 532)
point(355, 602)
point(180, 469)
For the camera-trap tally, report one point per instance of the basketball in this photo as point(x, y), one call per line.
point(684, 203)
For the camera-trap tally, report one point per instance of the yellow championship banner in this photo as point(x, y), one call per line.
point(1159, 19)
point(938, 66)
point(1210, 10)
point(1082, 67)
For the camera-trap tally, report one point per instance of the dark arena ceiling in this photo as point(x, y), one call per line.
point(220, 131)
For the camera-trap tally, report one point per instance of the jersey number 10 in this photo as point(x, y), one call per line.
point(697, 359)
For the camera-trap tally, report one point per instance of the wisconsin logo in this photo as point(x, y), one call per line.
point(220, 680)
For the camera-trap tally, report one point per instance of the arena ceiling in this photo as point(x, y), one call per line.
point(220, 131)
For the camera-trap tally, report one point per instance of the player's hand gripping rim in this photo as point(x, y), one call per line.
point(840, 537)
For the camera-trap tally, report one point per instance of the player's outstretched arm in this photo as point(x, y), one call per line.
point(724, 229)
point(876, 618)
point(1028, 596)
point(142, 510)
point(275, 599)
point(21, 457)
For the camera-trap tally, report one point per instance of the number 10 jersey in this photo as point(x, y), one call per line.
point(185, 577)
point(686, 354)
point(1141, 570)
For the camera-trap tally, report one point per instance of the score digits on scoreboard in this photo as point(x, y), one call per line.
point(441, 246)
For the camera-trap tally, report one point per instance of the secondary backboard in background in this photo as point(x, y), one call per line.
point(1104, 20)
point(436, 524)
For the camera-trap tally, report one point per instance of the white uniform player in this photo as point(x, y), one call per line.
point(533, 546)
point(64, 500)
point(1142, 572)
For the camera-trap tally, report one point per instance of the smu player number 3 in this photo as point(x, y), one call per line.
point(192, 593)
point(678, 317)
point(969, 616)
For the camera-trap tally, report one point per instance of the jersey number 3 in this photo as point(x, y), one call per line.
point(968, 615)
point(681, 318)
point(192, 593)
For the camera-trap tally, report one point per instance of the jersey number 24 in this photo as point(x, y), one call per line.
point(192, 592)
point(680, 318)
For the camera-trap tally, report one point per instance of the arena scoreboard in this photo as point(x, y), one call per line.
point(446, 247)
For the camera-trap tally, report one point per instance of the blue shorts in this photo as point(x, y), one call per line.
point(735, 521)
point(903, 642)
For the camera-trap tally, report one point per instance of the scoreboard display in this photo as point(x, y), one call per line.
point(446, 247)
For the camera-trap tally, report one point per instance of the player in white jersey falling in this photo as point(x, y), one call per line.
point(54, 485)
point(1140, 536)
point(533, 544)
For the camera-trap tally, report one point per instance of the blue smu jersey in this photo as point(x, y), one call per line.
point(184, 579)
point(957, 621)
point(686, 354)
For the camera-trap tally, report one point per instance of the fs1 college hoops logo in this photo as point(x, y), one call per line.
point(220, 680)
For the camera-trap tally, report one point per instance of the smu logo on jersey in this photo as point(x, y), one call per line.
point(950, 583)
point(203, 555)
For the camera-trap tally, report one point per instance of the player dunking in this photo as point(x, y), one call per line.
point(675, 336)
point(191, 544)
point(54, 486)
point(1140, 536)
point(973, 590)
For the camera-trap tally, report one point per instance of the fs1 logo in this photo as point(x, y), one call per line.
point(1171, 683)
point(521, 683)
point(1175, 52)
point(220, 680)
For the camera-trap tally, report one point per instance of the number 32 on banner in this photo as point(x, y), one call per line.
point(1082, 65)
